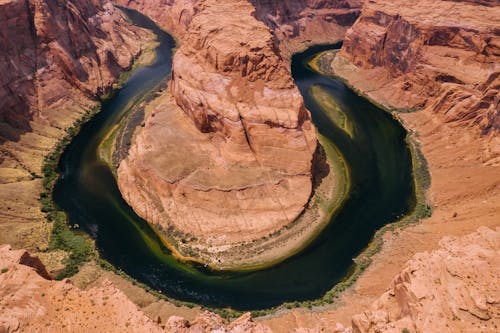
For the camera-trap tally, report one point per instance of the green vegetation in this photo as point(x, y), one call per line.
point(78, 245)
point(4, 270)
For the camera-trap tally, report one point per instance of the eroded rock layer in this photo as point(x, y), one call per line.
point(237, 164)
point(30, 301)
point(55, 58)
point(442, 55)
point(298, 24)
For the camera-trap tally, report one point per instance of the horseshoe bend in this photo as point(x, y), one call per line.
point(307, 159)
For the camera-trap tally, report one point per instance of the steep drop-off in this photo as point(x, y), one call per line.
point(56, 57)
point(448, 62)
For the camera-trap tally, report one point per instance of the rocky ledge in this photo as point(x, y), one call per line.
point(451, 289)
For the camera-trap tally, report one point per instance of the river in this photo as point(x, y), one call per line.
point(381, 190)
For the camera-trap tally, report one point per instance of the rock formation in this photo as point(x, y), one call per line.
point(31, 301)
point(237, 166)
point(453, 289)
point(56, 57)
point(243, 171)
point(447, 61)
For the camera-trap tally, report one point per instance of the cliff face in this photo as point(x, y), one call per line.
point(172, 15)
point(447, 62)
point(52, 47)
point(298, 24)
point(236, 164)
point(56, 57)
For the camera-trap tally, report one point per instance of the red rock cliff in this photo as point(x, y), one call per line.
point(55, 58)
point(447, 61)
point(243, 169)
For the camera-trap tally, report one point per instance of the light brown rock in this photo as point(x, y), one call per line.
point(453, 289)
point(237, 166)
point(30, 302)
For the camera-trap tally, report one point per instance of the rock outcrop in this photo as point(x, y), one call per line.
point(236, 166)
point(56, 57)
point(453, 289)
point(298, 24)
point(440, 55)
point(30, 301)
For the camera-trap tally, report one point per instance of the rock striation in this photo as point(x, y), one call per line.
point(428, 55)
point(56, 58)
point(236, 166)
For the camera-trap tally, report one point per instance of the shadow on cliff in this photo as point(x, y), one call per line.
point(320, 168)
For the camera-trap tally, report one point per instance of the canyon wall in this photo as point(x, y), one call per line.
point(172, 15)
point(440, 55)
point(57, 56)
point(299, 24)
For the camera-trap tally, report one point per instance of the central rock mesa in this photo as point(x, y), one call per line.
point(225, 157)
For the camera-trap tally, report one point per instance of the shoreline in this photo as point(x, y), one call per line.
point(335, 291)
point(289, 237)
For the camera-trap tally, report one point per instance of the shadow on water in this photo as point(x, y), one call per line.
point(382, 189)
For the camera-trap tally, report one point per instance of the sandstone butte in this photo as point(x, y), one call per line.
point(450, 78)
point(225, 157)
